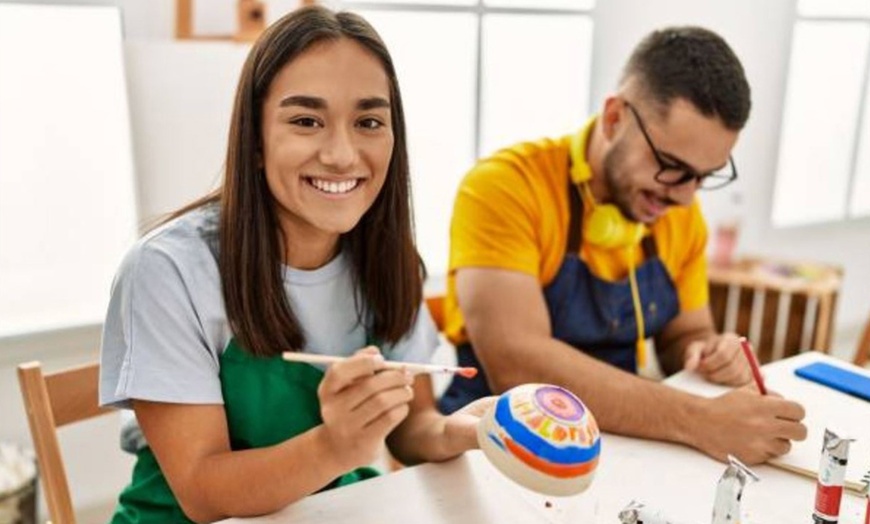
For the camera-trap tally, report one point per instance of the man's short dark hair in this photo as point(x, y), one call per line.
point(695, 64)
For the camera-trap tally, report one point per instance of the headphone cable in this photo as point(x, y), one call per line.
point(638, 311)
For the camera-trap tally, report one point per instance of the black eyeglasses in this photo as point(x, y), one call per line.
point(676, 173)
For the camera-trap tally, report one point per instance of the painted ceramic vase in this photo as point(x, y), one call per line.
point(542, 437)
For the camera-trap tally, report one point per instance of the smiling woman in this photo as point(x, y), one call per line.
point(306, 246)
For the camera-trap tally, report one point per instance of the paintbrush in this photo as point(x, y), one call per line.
point(311, 358)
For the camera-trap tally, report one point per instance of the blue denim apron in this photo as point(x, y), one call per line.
point(593, 315)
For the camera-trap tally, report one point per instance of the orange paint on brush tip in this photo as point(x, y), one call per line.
point(467, 372)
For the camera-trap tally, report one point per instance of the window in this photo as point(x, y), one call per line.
point(67, 206)
point(823, 172)
point(477, 76)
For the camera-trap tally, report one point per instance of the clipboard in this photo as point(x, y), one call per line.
point(827, 390)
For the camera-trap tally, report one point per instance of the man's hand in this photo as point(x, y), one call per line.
point(719, 359)
point(752, 427)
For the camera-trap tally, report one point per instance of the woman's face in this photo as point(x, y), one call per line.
point(327, 140)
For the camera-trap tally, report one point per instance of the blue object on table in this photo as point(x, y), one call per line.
point(837, 378)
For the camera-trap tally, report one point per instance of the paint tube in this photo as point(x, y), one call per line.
point(832, 475)
point(639, 513)
point(726, 508)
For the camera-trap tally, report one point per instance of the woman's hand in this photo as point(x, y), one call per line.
point(361, 402)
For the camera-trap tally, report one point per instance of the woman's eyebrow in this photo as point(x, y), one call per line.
point(314, 102)
point(374, 102)
point(310, 102)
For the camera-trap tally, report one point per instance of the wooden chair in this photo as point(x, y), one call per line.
point(54, 400)
point(862, 355)
point(782, 307)
point(435, 303)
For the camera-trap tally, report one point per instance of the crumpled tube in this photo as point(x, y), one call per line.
point(639, 513)
point(726, 508)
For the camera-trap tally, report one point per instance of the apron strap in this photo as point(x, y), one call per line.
point(650, 249)
point(575, 225)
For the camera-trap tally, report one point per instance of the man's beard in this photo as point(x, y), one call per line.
point(617, 187)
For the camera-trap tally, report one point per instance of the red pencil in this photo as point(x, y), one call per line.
point(753, 365)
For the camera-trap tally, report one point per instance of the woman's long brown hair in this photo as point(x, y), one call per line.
point(387, 270)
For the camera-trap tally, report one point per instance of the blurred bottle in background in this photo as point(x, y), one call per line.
point(727, 231)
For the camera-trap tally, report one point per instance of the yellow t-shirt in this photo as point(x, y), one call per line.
point(512, 212)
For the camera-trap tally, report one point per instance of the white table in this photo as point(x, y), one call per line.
point(677, 480)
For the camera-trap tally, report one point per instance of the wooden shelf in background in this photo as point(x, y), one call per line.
point(250, 21)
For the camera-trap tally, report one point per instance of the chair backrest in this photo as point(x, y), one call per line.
point(782, 307)
point(53, 400)
point(435, 303)
point(862, 354)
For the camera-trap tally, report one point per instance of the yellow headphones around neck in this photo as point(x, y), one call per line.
point(606, 226)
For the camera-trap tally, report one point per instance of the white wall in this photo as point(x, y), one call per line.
point(180, 95)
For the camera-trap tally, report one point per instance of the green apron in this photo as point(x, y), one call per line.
point(267, 401)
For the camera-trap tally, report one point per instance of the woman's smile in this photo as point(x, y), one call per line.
point(334, 188)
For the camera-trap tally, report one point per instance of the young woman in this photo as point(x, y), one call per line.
point(306, 246)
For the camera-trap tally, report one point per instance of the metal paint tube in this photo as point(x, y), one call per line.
point(639, 513)
point(832, 475)
point(726, 508)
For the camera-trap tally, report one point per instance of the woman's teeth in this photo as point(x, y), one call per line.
point(334, 187)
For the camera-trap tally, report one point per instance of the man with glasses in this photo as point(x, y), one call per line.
point(567, 254)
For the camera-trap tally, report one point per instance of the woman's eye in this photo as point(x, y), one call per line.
point(305, 121)
point(370, 123)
